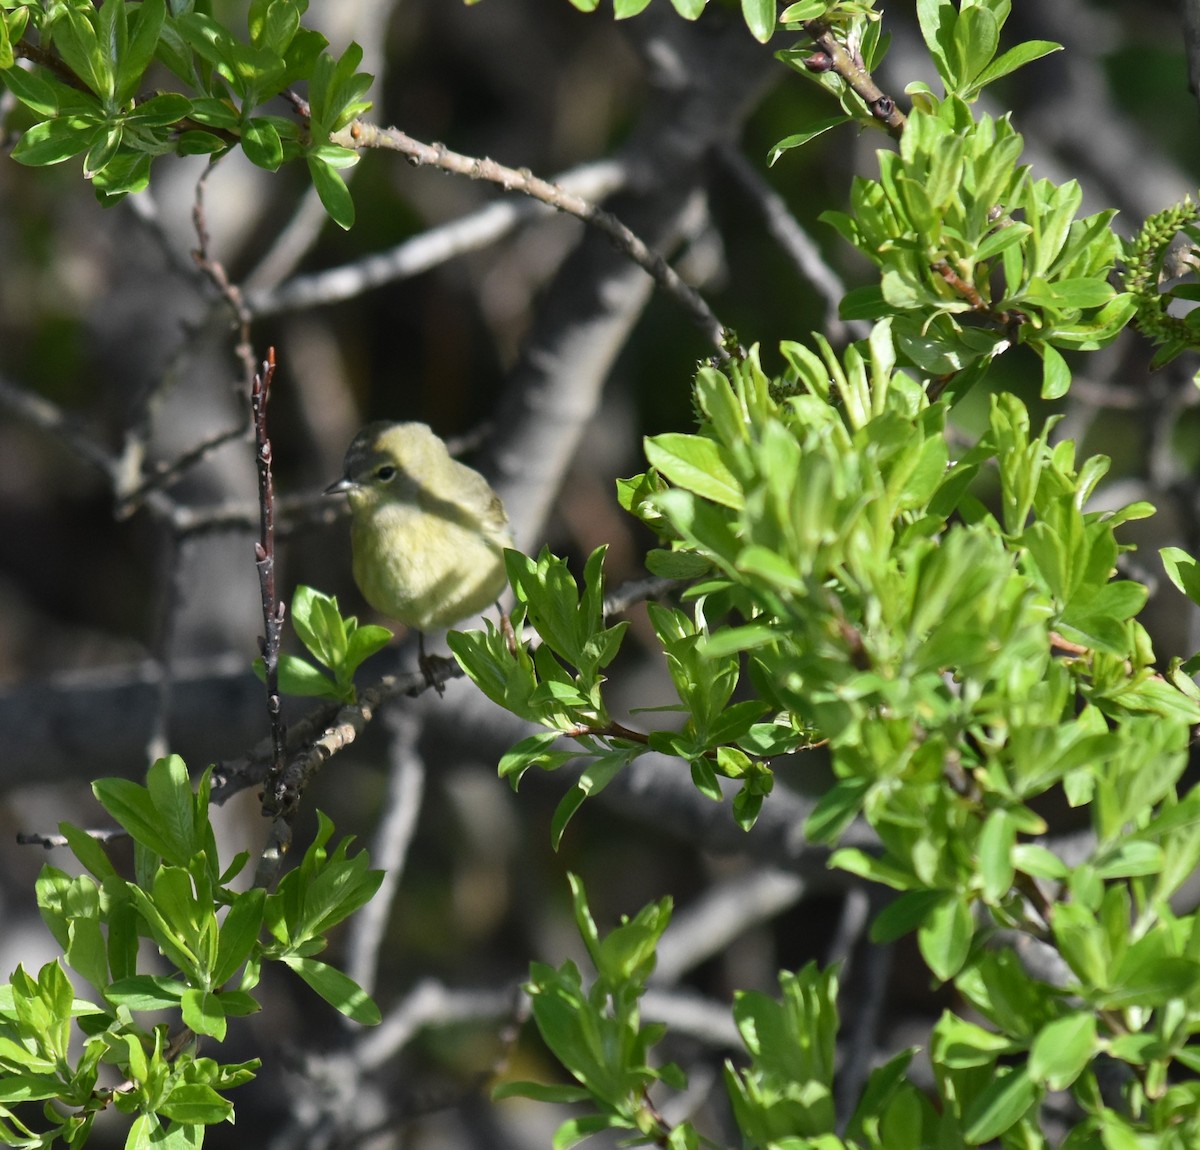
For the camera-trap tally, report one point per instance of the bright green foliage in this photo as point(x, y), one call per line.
point(850, 583)
point(225, 82)
point(596, 1032)
point(989, 1079)
point(788, 1088)
point(950, 627)
point(962, 233)
point(953, 627)
point(206, 932)
point(964, 45)
point(335, 640)
point(559, 684)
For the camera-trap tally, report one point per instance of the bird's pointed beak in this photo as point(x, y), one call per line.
point(340, 486)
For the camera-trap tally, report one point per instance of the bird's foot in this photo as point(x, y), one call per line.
point(436, 668)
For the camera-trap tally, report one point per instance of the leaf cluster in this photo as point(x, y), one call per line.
point(596, 1031)
point(338, 643)
point(61, 1050)
point(93, 89)
point(957, 632)
point(975, 255)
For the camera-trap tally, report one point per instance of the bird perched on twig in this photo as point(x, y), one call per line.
point(428, 533)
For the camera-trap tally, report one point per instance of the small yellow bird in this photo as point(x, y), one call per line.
point(428, 533)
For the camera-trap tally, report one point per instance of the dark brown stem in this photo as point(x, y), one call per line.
point(264, 552)
point(852, 70)
point(1009, 320)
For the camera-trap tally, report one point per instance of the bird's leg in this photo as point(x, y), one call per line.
point(433, 667)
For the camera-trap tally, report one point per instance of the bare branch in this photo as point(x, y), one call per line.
point(430, 249)
point(362, 134)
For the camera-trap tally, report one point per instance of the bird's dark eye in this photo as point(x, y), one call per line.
point(386, 473)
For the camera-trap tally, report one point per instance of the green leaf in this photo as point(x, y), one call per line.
point(170, 791)
point(1151, 982)
point(1014, 58)
point(321, 892)
point(1056, 375)
point(192, 1104)
point(903, 914)
point(959, 1044)
point(341, 992)
point(598, 775)
point(132, 807)
point(261, 143)
point(160, 111)
point(945, 936)
point(146, 21)
point(203, 1013)
point(51, 142)
point(320, 626)
point(541, 1092)
point(676, 564)
point(937, 19)
point(1182, 570)
point(299, 678)
point(533, 751)
point(333, 193)
point(747, 804)
point(76, 40)
point(1062, 1050)
point(88, 851)
point(146, 992)
point(239, 933)
point(704, 779)
point(47, 96)
point(799, 139)
point(975, 40)
point(365, 641)
point(1003, 1103)
point(836, 809)
point(696, 464)
point(760, 18)
point(996, 842)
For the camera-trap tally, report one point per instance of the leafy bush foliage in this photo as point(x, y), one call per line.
point(951, 622)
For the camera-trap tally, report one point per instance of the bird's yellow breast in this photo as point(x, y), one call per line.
point(424, 569)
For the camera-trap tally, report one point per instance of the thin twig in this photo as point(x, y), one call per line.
point(362, 134)
point(166, 474)
point(39, 412)
point(264, 559)
point(217, 275)
point(429, 1004)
